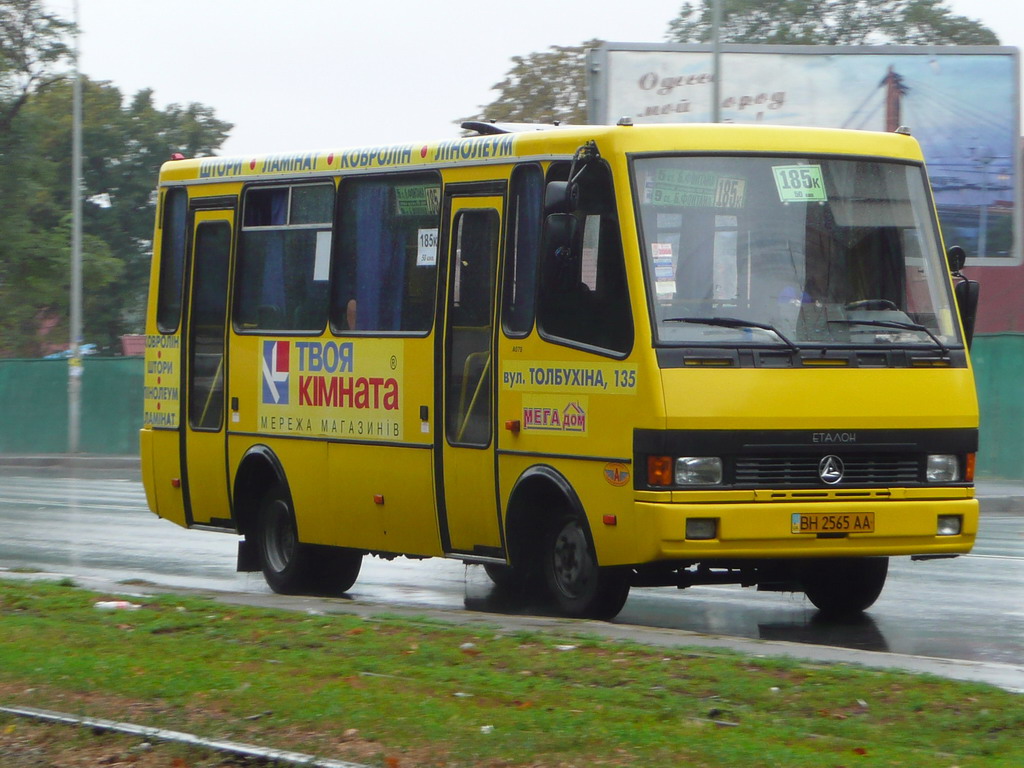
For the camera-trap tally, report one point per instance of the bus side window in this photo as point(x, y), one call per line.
point(519, 289)
point(172, 260)
point(206, 325)
point(385, 260)
point(583, 292)
point(470, 310)
point(284, 258)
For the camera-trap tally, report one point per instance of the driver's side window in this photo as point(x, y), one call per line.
point(583, 293)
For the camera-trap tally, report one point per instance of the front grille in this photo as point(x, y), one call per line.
point(802, 470)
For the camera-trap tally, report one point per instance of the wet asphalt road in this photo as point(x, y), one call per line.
point(95, 523)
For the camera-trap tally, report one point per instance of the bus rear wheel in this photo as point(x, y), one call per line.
point(844, 586)
point(292, 568)
point(285, 567)
point(338, 569)
point(579, 587)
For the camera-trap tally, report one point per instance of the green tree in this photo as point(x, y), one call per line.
point(545, 87)
point(124, 144)
point(33, 53)
point(35, 217)
point(123, 147)
point(830, 22)
point(33, 48)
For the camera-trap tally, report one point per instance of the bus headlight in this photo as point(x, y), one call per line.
point(698, 470)
point(942, 468)
point(950, 525)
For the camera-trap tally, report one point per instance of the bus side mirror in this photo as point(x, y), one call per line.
point(956, 256)
point(967, 301)
point(966, 292)
point(560, 197)
point(588, 192)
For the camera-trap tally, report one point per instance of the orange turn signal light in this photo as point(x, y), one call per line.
point(659, 470)
point(969, 467)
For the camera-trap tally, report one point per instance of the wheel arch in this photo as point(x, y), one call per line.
point(540, 495)
point(258, 470)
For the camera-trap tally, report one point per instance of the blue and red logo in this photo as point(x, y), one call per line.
point(275, 372)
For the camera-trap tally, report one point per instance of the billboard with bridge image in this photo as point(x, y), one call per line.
point(961, 103)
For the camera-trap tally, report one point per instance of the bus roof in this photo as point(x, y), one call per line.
point(545, 142)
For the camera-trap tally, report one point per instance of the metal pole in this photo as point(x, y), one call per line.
point(75, 361)
point(716, 55)
point(983, 208)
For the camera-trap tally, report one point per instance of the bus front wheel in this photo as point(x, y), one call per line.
point(579, 587)
point(844, 586)
point(502, 576)
point(520, 583)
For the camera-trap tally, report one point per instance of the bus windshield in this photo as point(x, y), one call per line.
point(793, 251)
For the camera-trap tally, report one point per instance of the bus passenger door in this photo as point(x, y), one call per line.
point(467, 496)
point(204, 451)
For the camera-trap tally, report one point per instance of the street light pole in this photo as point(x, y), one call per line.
point(75, 360)
point(716, 55)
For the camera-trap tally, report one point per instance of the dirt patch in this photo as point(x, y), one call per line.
point(29, 743)
point(25, 743)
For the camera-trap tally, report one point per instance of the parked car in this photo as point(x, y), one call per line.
point(83, 350)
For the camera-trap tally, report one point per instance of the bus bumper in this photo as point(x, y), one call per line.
point(802, 529)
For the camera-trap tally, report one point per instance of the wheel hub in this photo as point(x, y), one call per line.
point(571, 560)
point(280, 539)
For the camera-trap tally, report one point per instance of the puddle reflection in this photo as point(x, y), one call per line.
point(793, 623)
point(859, 632)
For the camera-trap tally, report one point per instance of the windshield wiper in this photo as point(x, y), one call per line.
point(897, 325)
point(734, 322)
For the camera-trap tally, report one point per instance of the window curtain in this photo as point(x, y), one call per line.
point(379, 266)
point(273, 290)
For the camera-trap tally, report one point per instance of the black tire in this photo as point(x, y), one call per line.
point(337, 569)
point(577, 585)
point(292, 568)
point(285, 562)
point(520, 582)
point(502, 576)
point(844, 586)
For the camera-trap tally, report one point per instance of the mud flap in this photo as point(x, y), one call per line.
point(248, 557)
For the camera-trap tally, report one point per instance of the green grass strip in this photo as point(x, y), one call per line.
point(392, 691)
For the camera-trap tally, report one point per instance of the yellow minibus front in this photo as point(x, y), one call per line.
point(819, 408)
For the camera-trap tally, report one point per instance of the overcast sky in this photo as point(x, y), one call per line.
point(325, 74)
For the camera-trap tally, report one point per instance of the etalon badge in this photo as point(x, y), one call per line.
point(830, 469)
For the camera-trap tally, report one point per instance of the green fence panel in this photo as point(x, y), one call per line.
point(34, 406)
point(112, 389)
point(999, 373)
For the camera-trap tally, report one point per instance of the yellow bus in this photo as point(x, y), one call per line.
point(586, 358)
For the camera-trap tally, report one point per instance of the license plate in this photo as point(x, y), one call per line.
point(830, 522)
